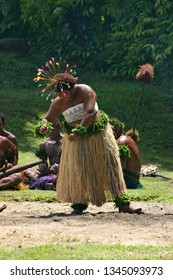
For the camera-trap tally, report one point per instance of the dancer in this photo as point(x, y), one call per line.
point(8, 134)
point(90, 165)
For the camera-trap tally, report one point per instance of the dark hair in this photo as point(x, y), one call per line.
point(2, 117)
point(134, 134)
point(117, 126)
point(59, 86)
point(63, 81)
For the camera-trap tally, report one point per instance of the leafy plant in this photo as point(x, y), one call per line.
point(75, 30)
point(11, 24)
point(144, 34)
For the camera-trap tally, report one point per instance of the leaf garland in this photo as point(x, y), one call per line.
point(42, 123)
point(116, 123)
point(122, 200)
point(124, 151)
point(79, 206)
point(83, 131)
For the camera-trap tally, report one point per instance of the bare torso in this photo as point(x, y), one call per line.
point(9, 135)
point(80, 93)
point(52, 150)
point(7, 151)
point(12, 138)
point(7, 160)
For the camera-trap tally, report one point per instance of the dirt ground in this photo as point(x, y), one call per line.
point(34, 223)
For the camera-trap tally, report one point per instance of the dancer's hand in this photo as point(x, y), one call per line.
point(43, 129)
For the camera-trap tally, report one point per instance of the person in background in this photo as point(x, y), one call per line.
point(50, 151)
point(51, 147)
point(129, 154)
point(7, 161)
point(8, 134)
point(90, 163)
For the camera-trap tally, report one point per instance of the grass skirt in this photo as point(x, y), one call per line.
point(89, 168)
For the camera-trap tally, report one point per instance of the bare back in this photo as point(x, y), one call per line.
point(133, 163)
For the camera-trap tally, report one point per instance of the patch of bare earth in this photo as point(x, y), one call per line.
point(34, 223)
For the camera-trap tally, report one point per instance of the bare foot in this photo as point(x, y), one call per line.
point(3, 207)
point(128, 209)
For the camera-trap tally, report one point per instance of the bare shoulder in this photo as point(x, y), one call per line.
point(54, 110)
point(56, 101)
point(85, 89)
point(42, 144)
point(85, 92)
point(9, 135)
point(12, 137)
point(56, 104)
point(122, 140)
point(126, 140)
point(5, 142)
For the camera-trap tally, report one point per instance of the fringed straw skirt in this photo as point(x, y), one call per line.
point(90, 168)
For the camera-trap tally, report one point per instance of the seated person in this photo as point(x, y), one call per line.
point(8, 134)
point(129, 154)
point(51, 147)
point(7, 161)
point(49, 150)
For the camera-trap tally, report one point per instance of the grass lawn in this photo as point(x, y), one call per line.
point(72, 251)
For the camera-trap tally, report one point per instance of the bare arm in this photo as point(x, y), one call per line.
point(9, 154)
point(122, 140)
point(89, 97)
point(53, 111)
point(13, 139)
point(51, 115)
point(12, 159)
point(42, 151)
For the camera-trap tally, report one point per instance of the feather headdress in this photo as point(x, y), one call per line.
point(50, 79)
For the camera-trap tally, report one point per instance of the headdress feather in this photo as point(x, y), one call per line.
point(48, 79)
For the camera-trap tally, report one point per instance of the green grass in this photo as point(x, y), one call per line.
point(86, 251)
point(28, 195)
point(155, 190)
point(23, 108)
